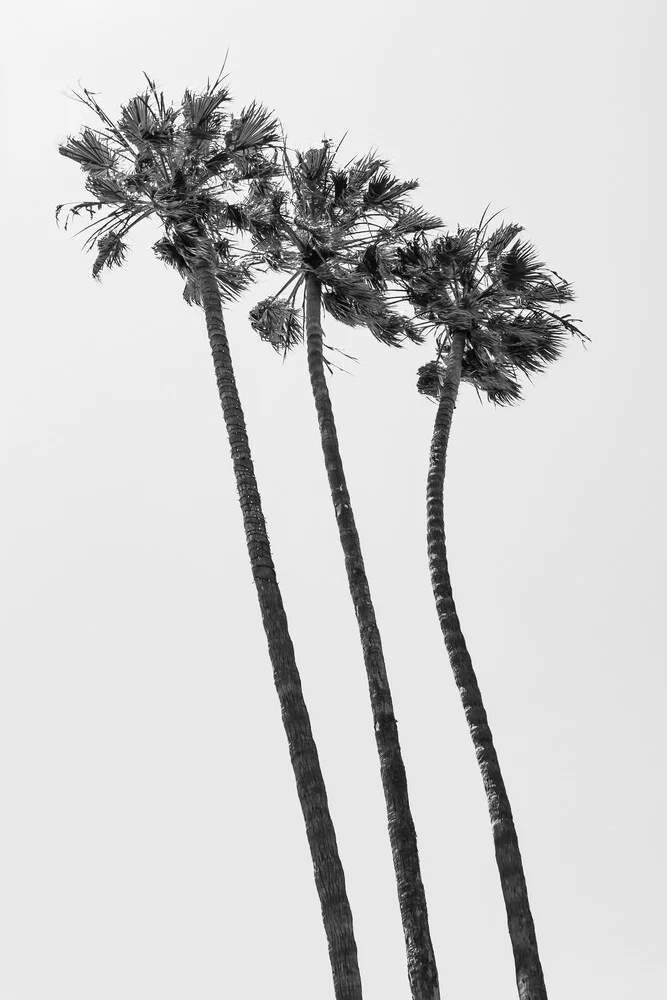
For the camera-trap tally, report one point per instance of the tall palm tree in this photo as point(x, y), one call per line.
point(490, 304)
point(332, 230)
point(179, 165)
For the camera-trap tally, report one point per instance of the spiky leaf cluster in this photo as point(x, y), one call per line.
point(493, 288)
point(340, 223)
point(189, 165)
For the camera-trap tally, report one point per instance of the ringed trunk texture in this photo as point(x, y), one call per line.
point(422, 971)
point(329, 875)
point(529, 976)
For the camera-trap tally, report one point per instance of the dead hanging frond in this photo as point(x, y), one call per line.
point(429, 379)
point(172, 255)
point(278, 323)
point(192, 293)
point(111, 252)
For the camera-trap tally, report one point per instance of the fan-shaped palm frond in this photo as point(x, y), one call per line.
point(142, 124)
point(255, 128)
point(518, 267)
point(499, 240)
point(409, 220)
point(202, 113)
point(93, 154)
point(386, 191)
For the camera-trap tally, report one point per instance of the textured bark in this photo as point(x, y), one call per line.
point(422, 971)
point(329, 876)
point(529, 977)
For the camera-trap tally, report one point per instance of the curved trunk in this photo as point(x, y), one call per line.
point(529, 977)
point(422, 972)
point(329, 876)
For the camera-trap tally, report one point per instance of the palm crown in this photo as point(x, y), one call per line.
point(337, 223)
point(179, 164)
point(495, 290)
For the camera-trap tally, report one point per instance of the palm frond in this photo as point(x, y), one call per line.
point(106, 189)
point(498, 385)
point(349, 286)
point(339, 181)
point(74, 211)
point(111, 131)
point(191, 292)
point(92, 155)
point(361, 171)
point(374, 266)
point(410, 220)
point(499, 240)
point(549, 291)
point(519, 266)
point(343, 308)
point(429, 379)
point(531, 342)
point(278, 323)
point(137, 119)
point(386, 192)
point(256, 127)
point(314, 163)
point(233, 276)
point(393, 328)
point(170, 254)
point(111, 252)
point(202, 113)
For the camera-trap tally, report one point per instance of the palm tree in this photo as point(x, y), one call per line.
point(179, 165)
point(333, 231)
point(490, 303)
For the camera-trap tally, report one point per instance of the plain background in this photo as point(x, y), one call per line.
point(151, 846)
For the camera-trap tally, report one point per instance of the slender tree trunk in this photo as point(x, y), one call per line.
point(329, 875)
point(529, 977)
point(422, 972)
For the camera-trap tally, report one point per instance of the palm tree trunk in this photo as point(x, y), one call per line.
point(329, 875)
point(422, 971)
point(529, 977)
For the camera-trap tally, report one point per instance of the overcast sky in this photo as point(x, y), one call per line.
point(151, 845)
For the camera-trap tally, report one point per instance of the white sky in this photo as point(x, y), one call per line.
point(152, 845)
